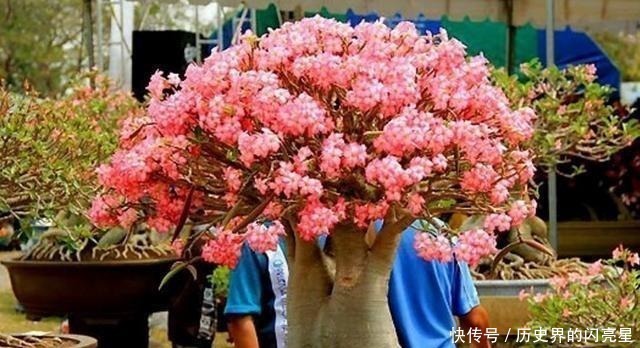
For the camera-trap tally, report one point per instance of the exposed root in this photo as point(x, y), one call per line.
point(514, 267)
point(29, 342)
point(138, 247)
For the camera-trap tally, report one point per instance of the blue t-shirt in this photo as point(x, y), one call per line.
point(425, 295)
point(250, 293)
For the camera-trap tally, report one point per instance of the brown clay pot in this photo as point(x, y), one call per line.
point(106, 287)
point(108, 300)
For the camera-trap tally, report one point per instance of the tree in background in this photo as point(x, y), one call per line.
point(40, 42)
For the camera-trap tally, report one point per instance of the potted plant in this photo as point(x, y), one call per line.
point(50, 150)
point(601, 307)
point(322, 128)
point(573, 121)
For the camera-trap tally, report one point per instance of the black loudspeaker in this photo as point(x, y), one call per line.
point(169, 51)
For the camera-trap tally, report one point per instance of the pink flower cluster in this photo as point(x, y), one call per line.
point(316, 220)
point(263, 237)
point(473, 245)
point(332, 124)
point(338, 155)
point(430, 247)
point(256, 146)
point(223, 249)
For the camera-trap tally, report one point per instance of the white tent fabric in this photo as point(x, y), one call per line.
point(567, 12)
point(121, 43)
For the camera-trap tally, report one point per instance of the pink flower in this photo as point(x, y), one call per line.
point(540, 297)
point(566, 313)
point(178, 246)
point(497, 222)
point(474, 245)
point(595, 268)
point(558, 282)
point(157, 84)
point(127, 218)
point(479, 178)
point(430, 247)
point(389, 173)
point(101, 212)
point(519, 212)
point(618, 252)
point(174, 79)
point(315, 220)
point(223, 249)
point(523, 295)
point(273, 210)
point(233, 179)
point(626, 302)
point(366, 213)
point(255, 146)
point(263, 237)
point(415, 204)
point(289, 183)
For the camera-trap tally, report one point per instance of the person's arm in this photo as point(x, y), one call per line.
point(476, 318)
point(466, 304)
point(243, 331)
point(244, 299)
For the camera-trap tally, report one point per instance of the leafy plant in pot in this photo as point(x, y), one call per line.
point(51, 148)
point(593, 305)
point(322, 136)
point(573, 121)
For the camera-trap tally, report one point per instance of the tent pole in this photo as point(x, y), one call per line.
point(552, 181)
point(197, 25)
point(220, 28)
point(511, 34)
point(99, 38)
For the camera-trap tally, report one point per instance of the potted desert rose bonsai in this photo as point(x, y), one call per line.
point(573, 121)
point(322, 128)
point(50, 150)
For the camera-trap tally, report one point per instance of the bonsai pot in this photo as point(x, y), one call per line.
point(500, 298)
point(109, 300)
point(66, 341)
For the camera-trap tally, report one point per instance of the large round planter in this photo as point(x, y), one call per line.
point(500, 297)
point(109, 300)
point(73, 341)
point(109, 287)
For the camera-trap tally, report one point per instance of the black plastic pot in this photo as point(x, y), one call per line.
point(109, 300)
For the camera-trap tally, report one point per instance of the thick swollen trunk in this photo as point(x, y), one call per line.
point(347, 306)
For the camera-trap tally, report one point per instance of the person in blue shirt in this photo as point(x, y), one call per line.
point(256, 302)
point(424, 297)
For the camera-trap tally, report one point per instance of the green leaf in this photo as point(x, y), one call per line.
point(175, 269)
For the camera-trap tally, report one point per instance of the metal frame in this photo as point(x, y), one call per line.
point(200, 42)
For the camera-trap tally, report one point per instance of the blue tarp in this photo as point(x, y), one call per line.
point(572, 47)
